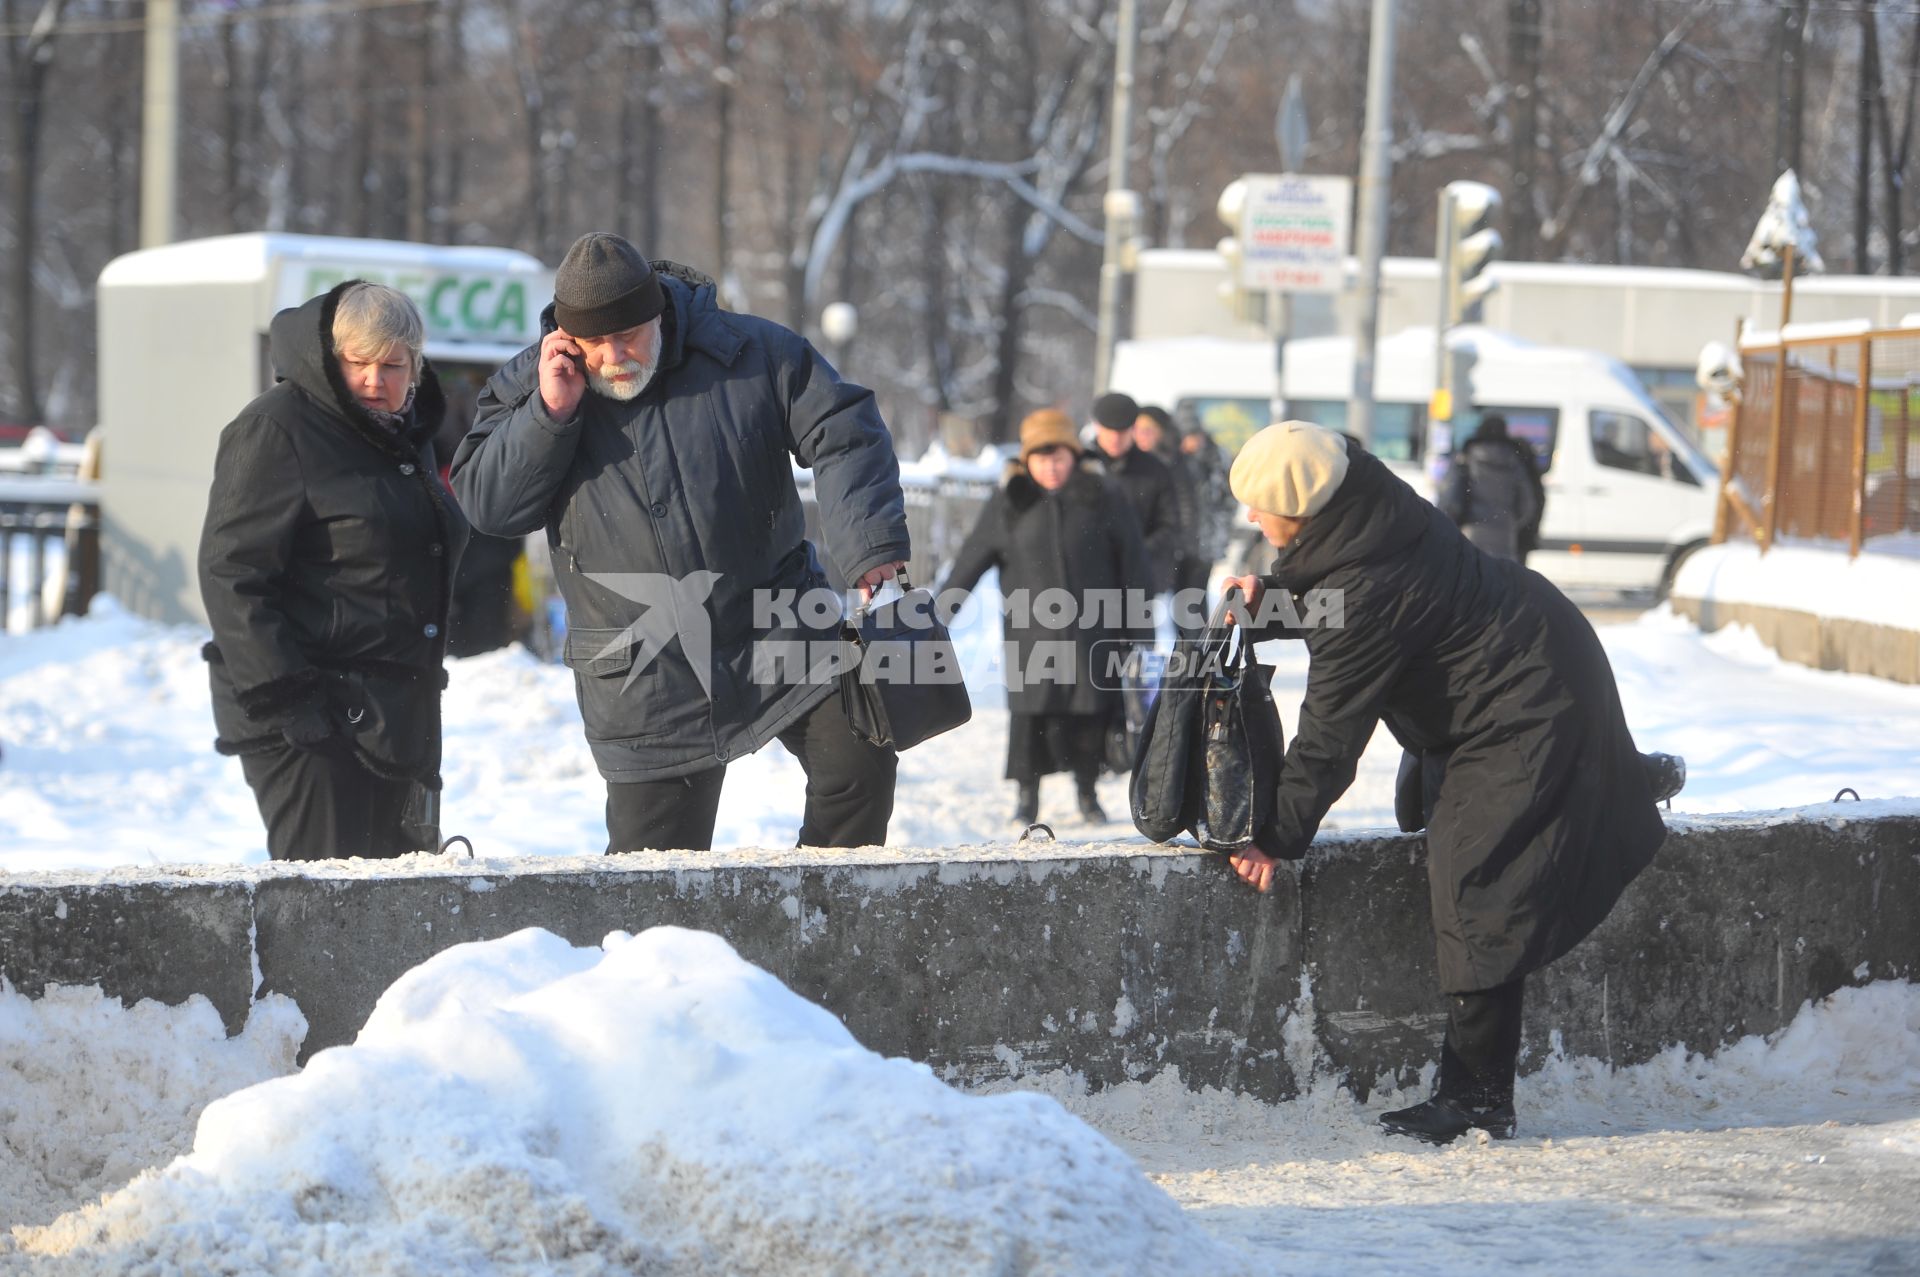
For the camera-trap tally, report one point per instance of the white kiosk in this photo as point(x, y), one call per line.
point(183, 347)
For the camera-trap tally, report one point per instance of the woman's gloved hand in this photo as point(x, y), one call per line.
point(311, 728)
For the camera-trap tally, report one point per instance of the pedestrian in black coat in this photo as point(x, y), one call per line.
point(326, 568)
point(1219, 512)
point(653, 436)
point(1493, 490)
point(1147, 483)
point(1155, 434)
point(1544, 810)
point(1057, 525)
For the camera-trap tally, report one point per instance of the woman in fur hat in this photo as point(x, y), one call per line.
point(1057, 524)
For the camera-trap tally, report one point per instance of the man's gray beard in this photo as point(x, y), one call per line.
point(601, 384)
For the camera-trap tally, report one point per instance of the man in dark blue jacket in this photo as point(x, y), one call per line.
point(653, 434)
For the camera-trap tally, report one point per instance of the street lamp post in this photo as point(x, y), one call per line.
point(838, 323)
point(1376, 175)
point(1120, 201)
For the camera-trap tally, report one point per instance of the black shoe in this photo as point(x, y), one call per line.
point(1026, 808)
point(1441, 1120)
point(1666, 774)
point(1090, 809)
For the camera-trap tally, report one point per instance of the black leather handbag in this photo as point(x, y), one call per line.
point(1211, 750)
point(904, 687)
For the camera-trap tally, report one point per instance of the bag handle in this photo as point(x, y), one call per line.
point(1232, 640)
point(860, 613)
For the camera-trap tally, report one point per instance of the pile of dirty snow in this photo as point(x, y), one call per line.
point(656, 1105)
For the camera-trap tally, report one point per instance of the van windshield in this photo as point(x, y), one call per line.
point(1538, 428)
point(1230, 421)
point(1399, 429)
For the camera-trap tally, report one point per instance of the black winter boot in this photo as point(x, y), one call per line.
point(1026, 808)
point(1474, 1087)
point(1441, 1120)
point(1090, 809)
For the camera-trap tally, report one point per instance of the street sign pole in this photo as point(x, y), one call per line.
point(1376, 172)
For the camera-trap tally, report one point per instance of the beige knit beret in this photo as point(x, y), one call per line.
point(1291, 468)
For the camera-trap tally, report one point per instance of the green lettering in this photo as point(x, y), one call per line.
point(437, 315)
point(512, 314)
point(468, 298)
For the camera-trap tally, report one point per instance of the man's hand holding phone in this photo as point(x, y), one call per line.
point(563, 375)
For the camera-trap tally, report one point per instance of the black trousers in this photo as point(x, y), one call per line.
point(849, 793)
point(1482, 1046)
point(1041, 744)
point(323, 806)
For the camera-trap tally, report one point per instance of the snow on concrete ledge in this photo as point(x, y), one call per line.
point(1879, 587)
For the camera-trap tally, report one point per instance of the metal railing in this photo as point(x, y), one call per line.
point(49, 549)
point(1825, 443)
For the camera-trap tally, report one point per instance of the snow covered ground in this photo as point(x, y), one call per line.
point(1797, 1155)
point(108, 759)
point(523, 1106)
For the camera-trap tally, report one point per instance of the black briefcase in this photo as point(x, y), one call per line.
point(903, 685)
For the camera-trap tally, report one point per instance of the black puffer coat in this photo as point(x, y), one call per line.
point(1544, 815)
point(1079, 539)
point(1149, 486)
point(327, 561)
point(1489, 493)
point(689, 486)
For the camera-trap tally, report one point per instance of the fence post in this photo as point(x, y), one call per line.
point(1827, 384)
point(1772, 512)
point(6, 571)
point(1900, 457)
point(1860, 446)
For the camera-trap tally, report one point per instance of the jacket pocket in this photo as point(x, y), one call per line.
point(599, 653)
point(624, 699)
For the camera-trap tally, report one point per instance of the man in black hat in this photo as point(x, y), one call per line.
point(653, 435)
point(1146, 481)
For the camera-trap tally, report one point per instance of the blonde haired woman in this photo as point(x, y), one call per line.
point(326, 567)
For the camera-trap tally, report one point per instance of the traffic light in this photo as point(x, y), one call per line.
point(1467, 246)
point(1230, 206)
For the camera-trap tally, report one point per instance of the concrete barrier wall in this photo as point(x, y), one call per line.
point(1117, 962)
point(1823, 642)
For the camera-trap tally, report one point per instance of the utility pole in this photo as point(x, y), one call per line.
point(159, 123)
point(1119, 202)
point(1376, 177)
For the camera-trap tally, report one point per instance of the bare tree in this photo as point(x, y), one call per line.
point(1790, 84)
point(1524, 208)
point(29, 56)
point(637, 182)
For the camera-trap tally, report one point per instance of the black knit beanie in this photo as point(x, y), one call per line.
point(605, 285)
